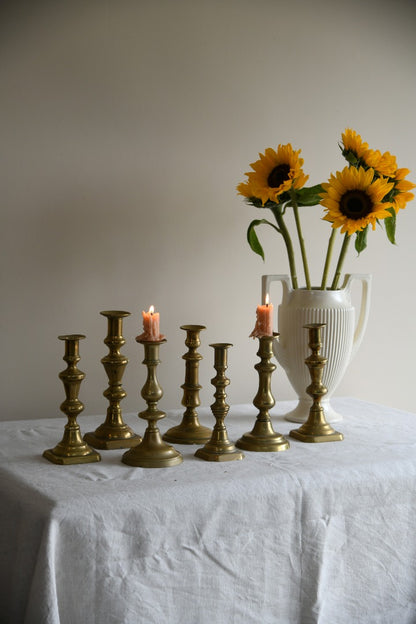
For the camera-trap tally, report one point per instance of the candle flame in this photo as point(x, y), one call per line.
point(151, 309)
point(267, 299)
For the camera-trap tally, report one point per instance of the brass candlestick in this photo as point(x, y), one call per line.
point(72, 449)
point(263, 437)
point(114, 433)
point(190, 431)
point(316, 428)
point(152, 452)
point(219, 448)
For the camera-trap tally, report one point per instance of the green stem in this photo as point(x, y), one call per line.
point(341, 259)
point(328, 258)
point(301, 241)
point(289, 247)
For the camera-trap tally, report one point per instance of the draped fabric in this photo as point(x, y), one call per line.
point(320, 533)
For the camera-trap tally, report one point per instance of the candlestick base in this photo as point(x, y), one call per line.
point(72, 449)
point(219, 448)
point(263, 438)
point(188, 432)
point(152, 452)
point(110, 438)
point(316, 429)
point(303, 437)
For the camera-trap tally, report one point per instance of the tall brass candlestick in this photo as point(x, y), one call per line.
point(316, 428)
point(263, 437)
point(72, 449)
point(152, 452)
point(219, 448)
point(114, 433)
point(190, 431)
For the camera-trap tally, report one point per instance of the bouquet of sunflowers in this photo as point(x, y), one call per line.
point(371, 189)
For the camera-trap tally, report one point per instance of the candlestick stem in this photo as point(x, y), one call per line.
point(263, 437)
point(72, 449)
point(114, 433)
point(219, 448)
point(316, 428)
point(152, 452)
point(190, 431)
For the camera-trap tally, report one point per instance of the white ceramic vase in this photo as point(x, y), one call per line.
point(340, 338)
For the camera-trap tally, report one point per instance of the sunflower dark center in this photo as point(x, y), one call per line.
point(355, 204)
point(278, 175)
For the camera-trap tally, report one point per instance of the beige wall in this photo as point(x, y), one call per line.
point(124, 129)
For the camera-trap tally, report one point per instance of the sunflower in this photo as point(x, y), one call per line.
point(354, 199)
point(358, 153)
point(354, 144)
point(402, 187)
point(384, 164)
point(275, 173)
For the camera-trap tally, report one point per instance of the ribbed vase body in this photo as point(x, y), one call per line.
point(341, 337)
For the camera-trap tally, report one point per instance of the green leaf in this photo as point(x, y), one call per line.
point(252, 239)
point(351, 158)
point(361, 240)
point(257, 203)
point(390, 223)
point(309, 196)
point(283, 198)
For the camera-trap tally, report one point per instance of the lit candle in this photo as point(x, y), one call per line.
point(264, 320)
point(151, 322)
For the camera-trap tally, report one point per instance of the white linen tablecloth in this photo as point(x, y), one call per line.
point(318, 533)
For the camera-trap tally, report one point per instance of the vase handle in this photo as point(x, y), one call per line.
point(364, 309)
point(266, 280)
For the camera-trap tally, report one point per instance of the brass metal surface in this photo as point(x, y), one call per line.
point(114, 433)
point(72, 449)
point(190, 430)
point(152, 452)
point(219, 448)
point(316, 428)
point(263, 437)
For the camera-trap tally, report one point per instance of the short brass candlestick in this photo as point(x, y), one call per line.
point(152, 452)
point(219, 448)
point(114, 433)
point(263, 437)
point(72, 449)
point(190, 431)
point(316, 428)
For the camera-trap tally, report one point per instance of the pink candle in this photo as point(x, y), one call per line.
point(151, 322)
point(264, 320)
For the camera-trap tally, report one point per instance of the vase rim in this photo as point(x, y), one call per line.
point(319, 297)
point(318, 289)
